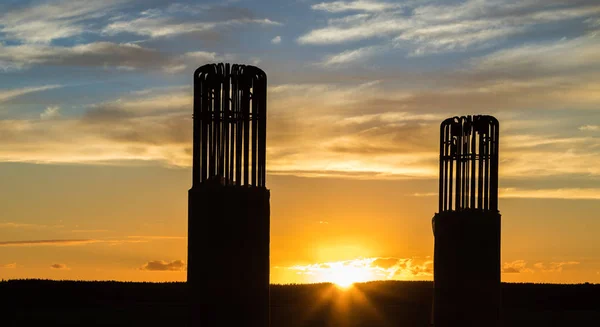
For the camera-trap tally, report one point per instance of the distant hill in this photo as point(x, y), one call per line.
point(386, 303)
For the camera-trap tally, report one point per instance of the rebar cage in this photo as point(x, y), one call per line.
point(230, 125)
point(469, 163)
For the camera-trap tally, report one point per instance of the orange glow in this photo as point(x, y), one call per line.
point(345, 273)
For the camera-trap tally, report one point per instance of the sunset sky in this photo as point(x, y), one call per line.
point(95, 131)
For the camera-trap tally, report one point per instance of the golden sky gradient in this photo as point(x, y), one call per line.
point(95, 132)
point(129, 223)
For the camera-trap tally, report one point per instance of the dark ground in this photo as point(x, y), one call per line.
point(69, 303)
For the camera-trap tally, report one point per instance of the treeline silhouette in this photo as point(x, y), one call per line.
point(381, 303)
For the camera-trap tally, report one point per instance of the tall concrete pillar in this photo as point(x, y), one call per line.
point(229, 210)
point(467, 226)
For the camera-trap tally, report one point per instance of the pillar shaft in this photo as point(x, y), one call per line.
point(466, 269)
point(228, 256)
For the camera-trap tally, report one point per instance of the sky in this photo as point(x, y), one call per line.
point(95, 131)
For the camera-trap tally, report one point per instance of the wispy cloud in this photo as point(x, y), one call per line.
point(356, 130)
point(433, 28)
point(562, 193)
point(157, 23)
point(544, 58)
point(9, 266)
point(48, 21)
point(358, 5)
point(142, 128)
point(276, 40)
point(98, 54)
point(66, 242)
point(9, 224)
point(47, 242)
point(6, 95)
point(559, 193)
point(125, 57)
point(157, 237)
point(350, 56)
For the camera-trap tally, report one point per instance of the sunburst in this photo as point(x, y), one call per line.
point(345, 276)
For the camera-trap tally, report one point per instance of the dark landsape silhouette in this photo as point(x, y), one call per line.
point(467, 226)
point(228, 224)
point(229, 221)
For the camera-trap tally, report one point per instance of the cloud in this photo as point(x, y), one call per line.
point(366, 269)
point(356, 130)
point(426, 28)
point(359, 5)
point(342, 136)
point(140, 104)
point(554, 266)
point(155, 27)
point(349, 56)
point(355, 28)
point(9, 266)
point(425, 194)
point(143, 127)
point(276, 40)
point(562, 193)
point(517, 266)
point(124, 57)
point(359, 128)
point(157, 237)
point(589, 128)
point(50, 112)
point(385, 263)
point(410, 268)
point(46, 242)
point(95, 54)
point(67, 242)
point(23, 225)
point(202, 56)
point(157, 23)
point(529, 155)
point(159, 265)
point(59, 266)
point(195, 59)
point(47, 21)
point(370, 130)
point(568, 55)
point(6, 95)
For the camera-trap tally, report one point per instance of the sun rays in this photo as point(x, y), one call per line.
point(342, 306)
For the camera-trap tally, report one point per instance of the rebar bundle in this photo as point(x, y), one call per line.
point(469, 163)
point(230, 125)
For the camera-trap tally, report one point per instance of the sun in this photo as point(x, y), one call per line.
point(345, 276)
point(344, 282)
